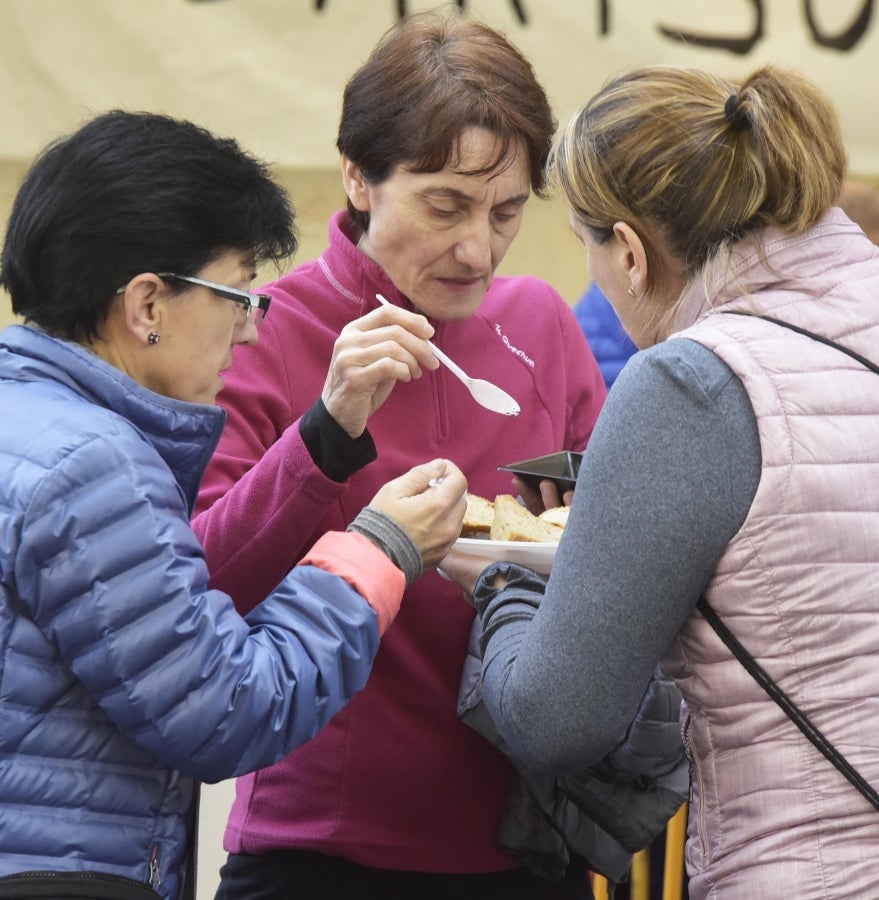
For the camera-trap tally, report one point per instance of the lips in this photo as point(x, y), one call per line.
point(463, 283)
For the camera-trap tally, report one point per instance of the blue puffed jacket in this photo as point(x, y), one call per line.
point(123, 679)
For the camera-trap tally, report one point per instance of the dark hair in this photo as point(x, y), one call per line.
point(431, 77)
point(133, 192)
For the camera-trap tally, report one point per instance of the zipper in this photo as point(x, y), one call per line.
point(155, 877)
point(442, 377)
point(685, 738)
point(695, 778)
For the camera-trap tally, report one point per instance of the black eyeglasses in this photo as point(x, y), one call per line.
point(257, 305)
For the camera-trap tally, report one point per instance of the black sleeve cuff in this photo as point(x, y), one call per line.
point(334, 452)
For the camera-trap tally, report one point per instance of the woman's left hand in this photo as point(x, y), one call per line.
point(548, 497)
point(464, 569)
point(428, 502)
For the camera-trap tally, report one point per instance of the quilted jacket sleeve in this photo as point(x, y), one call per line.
point(111, 572)
point(604, 813)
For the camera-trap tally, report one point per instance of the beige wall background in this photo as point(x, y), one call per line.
point(271, 72)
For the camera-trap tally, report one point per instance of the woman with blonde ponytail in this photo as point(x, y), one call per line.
point(732, 481)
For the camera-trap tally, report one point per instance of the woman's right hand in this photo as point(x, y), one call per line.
point(370, 356)
point(429, 502)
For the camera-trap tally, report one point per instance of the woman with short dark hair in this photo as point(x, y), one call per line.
point(124, 678)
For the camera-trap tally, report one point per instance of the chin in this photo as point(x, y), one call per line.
point(456, 310)
point(207, 398)
point(461, 315)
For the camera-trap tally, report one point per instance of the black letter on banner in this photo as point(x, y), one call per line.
point(847, 39)
point(741, 46)
point(604, 17)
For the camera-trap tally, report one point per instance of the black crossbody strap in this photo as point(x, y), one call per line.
point(815, 337)
point(796, 715)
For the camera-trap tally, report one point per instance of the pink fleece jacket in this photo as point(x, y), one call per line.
point(395, 780)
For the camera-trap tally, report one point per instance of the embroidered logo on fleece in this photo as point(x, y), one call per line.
point(515, 350)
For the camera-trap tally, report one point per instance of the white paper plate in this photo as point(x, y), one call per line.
point(536, 556)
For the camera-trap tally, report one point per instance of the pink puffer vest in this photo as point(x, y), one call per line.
point(798, 585)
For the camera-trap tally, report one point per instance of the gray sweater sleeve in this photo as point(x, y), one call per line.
point(668, 478)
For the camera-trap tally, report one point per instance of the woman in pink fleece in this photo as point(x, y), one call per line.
point(444, 135)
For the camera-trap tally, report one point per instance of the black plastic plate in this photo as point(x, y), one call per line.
point(561, 467)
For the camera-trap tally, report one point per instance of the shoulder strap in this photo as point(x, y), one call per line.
point(815, 337)
point(796, 715)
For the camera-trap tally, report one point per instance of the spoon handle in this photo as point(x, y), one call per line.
point(453, 367)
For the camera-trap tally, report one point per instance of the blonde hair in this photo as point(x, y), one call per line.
point(693, 162)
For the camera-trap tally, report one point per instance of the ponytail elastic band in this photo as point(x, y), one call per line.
point(737, 117)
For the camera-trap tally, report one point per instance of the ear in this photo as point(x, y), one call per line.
point(141, 309)
point(355, 186)
point(633, 256)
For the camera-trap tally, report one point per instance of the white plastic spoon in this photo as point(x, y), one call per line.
point(484, 392)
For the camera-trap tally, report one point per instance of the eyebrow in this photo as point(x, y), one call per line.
point(456, 194)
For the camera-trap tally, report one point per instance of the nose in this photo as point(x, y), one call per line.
point(245, 332)
point(473, 247)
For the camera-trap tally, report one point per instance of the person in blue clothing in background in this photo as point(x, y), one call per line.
point(610, 344)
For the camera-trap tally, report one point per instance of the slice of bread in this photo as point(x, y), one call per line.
point(556, 515)
point(478, 517)
point(512, 522)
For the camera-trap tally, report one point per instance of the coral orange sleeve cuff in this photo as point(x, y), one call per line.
point(367, 569)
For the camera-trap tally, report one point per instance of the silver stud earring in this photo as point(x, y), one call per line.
point(154, 337)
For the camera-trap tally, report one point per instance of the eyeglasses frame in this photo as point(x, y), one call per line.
point(251, 300)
